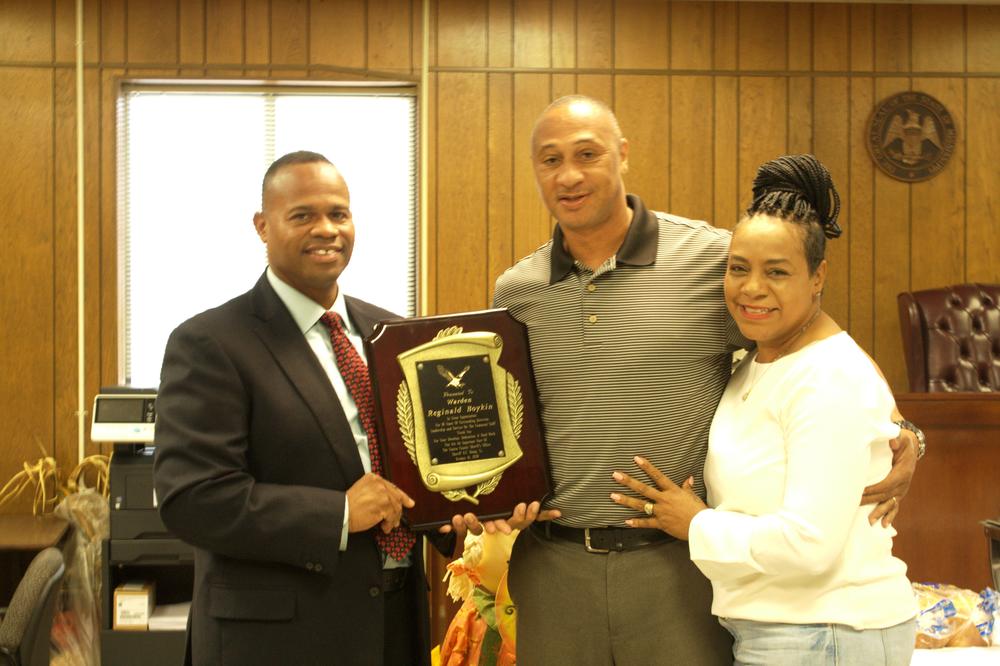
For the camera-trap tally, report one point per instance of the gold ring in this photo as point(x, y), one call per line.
point(894, 501)
point(648, 508)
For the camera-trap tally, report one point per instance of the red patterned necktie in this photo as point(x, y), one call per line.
point(353, 369)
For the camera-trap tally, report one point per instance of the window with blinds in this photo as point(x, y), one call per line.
point(190, 166)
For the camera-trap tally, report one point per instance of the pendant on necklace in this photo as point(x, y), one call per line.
point(746, 395)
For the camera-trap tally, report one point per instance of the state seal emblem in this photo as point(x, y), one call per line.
point(911, 136)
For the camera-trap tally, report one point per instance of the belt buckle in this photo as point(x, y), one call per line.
point(586, 543)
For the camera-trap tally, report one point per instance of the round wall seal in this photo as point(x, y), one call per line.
point(911, 136)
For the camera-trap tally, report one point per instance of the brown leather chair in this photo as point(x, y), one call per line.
point(951, 338)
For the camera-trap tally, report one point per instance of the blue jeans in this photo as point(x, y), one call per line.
point(775, 644)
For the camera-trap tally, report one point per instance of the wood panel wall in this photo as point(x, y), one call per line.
point(705, 91)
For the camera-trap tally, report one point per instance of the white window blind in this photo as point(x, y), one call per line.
point(190, 170)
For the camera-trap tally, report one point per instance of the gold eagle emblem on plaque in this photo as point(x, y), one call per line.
point(911, 136)
point(459, 413)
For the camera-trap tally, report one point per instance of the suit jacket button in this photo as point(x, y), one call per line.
point(317, 567)
point(309, 566)
point(374, 591)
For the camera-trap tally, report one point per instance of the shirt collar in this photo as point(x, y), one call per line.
point(638, 248)
point(304, 310)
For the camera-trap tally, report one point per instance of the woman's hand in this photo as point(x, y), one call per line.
point(671, 508)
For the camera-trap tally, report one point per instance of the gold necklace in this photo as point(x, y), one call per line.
point(781, 352)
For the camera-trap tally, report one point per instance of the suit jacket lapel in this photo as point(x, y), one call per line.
point(278, 332)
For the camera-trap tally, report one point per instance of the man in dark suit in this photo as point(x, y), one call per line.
point(263, 460)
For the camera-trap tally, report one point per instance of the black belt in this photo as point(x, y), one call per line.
point(603, 539)
point(394, 580)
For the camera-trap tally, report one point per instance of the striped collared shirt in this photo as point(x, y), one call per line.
point(629, 359)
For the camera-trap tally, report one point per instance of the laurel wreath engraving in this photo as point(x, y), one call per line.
point(407, 427)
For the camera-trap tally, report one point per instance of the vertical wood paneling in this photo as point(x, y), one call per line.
point(983, 38)
point(593, 33)
point(892, 42)
point(938, 38)
point(390, 20)
point(563, 84)
point(107, 229)
point(857, 215)
point(564, 33)
point(532, 34)
point(257, 33)
point(831, 37)
point(26, 32)
point(64, 24)
point(725, 195)
point(939, 203)
point(762, 127)
point(461, 185)
point(191, 36)
point(642, 104)
point(800, 114)
point(892, 257)
point(501, 33)
point(532, 224)
point(461, 34)
point(800, 36)
point(642, 34)
point(725, 52)
point(113, 31)
point(763, 36)
point(152, 32)
point(862, 41)
point(598, 86)
point(224, 39)
point(289, 30)
point(691, 167)
point(983, 184)
point(500, 167)
point(429, 290)
point(691, 35)
point(346, 46)
point(831, 126)
point(26, 266)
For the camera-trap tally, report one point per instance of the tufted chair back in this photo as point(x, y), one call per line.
point(951, 338)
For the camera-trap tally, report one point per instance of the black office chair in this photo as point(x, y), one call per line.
point(27, 625)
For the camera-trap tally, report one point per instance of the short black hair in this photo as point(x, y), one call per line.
point(297, 157)
point(799, 189)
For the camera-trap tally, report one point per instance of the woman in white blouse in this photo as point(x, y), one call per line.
point(799, 574)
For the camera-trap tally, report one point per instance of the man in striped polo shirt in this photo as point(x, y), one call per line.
point(631, 347)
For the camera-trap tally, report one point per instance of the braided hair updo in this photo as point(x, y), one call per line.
point(798, 189)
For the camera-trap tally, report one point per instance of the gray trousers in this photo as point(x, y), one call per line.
point(643, 607)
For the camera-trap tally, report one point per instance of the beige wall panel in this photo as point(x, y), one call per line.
point(642, 104)
point(152, 32)
point(224, 39)
point(462, 193)
point(337, 33)
point(892, 38)
point(858, 214)
point(892, 258)
point(563, 84)
point(26, 267)
point(642, 34)
point(191, 31)
point(983, 38)
point(862, 40)
point(937, 221)
point(501, 33)
point(831, 146)
point(691, 43)
point(26, 31)
point(800, 37)
point(763, 35)
point(594, 24)
point(983, 216)
point(564, 33)
point(691, 165)
point(500, 168)
point(257, 35)
point(532, 224)
point(289, 30)
point(532, 34)
point(831, 37)
point(113, 31)
point(389, 35)
point(726, 38)
point(726, 192)
point(800, 114)
point(598, 86)
point(938, 38)
point(762, 127)
point(461, 33)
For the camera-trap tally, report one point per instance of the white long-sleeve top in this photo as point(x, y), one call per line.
point(786, 540)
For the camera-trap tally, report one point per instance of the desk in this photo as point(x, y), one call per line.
point(956, 485)
point(22, 536)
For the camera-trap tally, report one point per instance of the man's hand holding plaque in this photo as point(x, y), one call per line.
point(458, 418)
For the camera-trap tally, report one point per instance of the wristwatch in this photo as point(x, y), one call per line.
point(921, 440)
